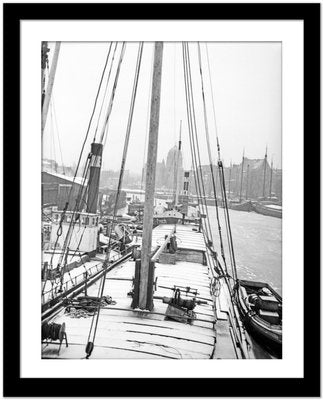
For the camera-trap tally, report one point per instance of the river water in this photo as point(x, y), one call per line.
point(257, 242)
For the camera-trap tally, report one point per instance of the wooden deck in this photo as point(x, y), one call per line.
point(126, 333)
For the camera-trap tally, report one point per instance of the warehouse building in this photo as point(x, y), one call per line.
point(56, 189)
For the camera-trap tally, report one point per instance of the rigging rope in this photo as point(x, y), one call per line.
point(194, 139)
point(197, 147)
point(227, 218)
point(87, 131)
point(147, 120)
point(79, 161)
point(210, 157)
point(52, 137)
point(57, 130)
point(90, 344)
point(222, 183)
point(215, 261)
point(106, 86)
point(213, 105)
point(84, 171)
point(189, 124)
point(106, 120)
point(225, 276)
point(196, 180)
point(82, 193)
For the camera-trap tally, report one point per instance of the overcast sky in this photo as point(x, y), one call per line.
point(246, 81)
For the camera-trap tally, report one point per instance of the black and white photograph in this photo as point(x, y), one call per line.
point(159, 201)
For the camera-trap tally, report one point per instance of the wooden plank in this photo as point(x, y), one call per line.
point(149, 343)
point(182, 334)
point(75, 350)
point(224, 348)
point(110, 320)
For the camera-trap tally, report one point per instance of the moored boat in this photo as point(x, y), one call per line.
point(261, 309)
point(271, 210)
point(241, 206)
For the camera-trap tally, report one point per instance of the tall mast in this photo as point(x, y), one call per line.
point(230, 180)
point(147, 268)
point(177, 164)
point(247, 183)
point(265, 165)
point(44, 63)
point(216, 178)
point(241, 179)
point(237, 181)
point(48, 94)
point(271, 177)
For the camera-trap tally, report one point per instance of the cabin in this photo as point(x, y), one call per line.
point(84, 235)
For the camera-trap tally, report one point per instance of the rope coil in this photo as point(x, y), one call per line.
point(52, 331)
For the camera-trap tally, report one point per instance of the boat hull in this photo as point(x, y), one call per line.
point(244, 206)
point(265, 210)
point(267, 334)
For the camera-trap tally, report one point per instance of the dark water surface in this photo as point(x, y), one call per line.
point(257, 241)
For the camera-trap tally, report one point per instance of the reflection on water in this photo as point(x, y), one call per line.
point(257, 241)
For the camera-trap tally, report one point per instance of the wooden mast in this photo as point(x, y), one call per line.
point(237, 181)
point(241, 179)
point(177, 164)
point(147, 267)
point(247, 183)
point(230, 180)
point(265, 165)
point(44, 62)
point(271, 178)
point(50, 84)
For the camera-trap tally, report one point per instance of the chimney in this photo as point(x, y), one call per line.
point(94, 179)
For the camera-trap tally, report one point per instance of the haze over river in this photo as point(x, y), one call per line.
point(257, 242)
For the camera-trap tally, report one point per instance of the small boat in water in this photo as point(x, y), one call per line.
point(260, 307)
point(241, 206)
point(271, 210)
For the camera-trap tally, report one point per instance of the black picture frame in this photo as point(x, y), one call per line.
point(14, 386)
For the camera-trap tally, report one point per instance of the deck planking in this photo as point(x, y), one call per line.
point(126, 333)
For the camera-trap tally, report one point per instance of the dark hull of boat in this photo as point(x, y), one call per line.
point(166, 220)
point(266, 334)
point(269, 340)
point(265, 210)
point(244, 206)
point(135, 208)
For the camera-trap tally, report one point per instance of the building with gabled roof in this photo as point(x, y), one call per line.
point(58, 189)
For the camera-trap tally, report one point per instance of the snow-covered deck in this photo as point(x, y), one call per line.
point(126, 333)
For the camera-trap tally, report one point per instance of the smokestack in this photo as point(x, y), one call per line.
point(186, 182)
point(94, 179)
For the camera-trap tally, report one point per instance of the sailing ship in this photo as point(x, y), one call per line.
point(165, 295)
point(268, 205)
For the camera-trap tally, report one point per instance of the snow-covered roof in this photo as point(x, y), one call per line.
point(77, 179)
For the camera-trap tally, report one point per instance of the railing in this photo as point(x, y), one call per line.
point(58, 289)
point(53, 304)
